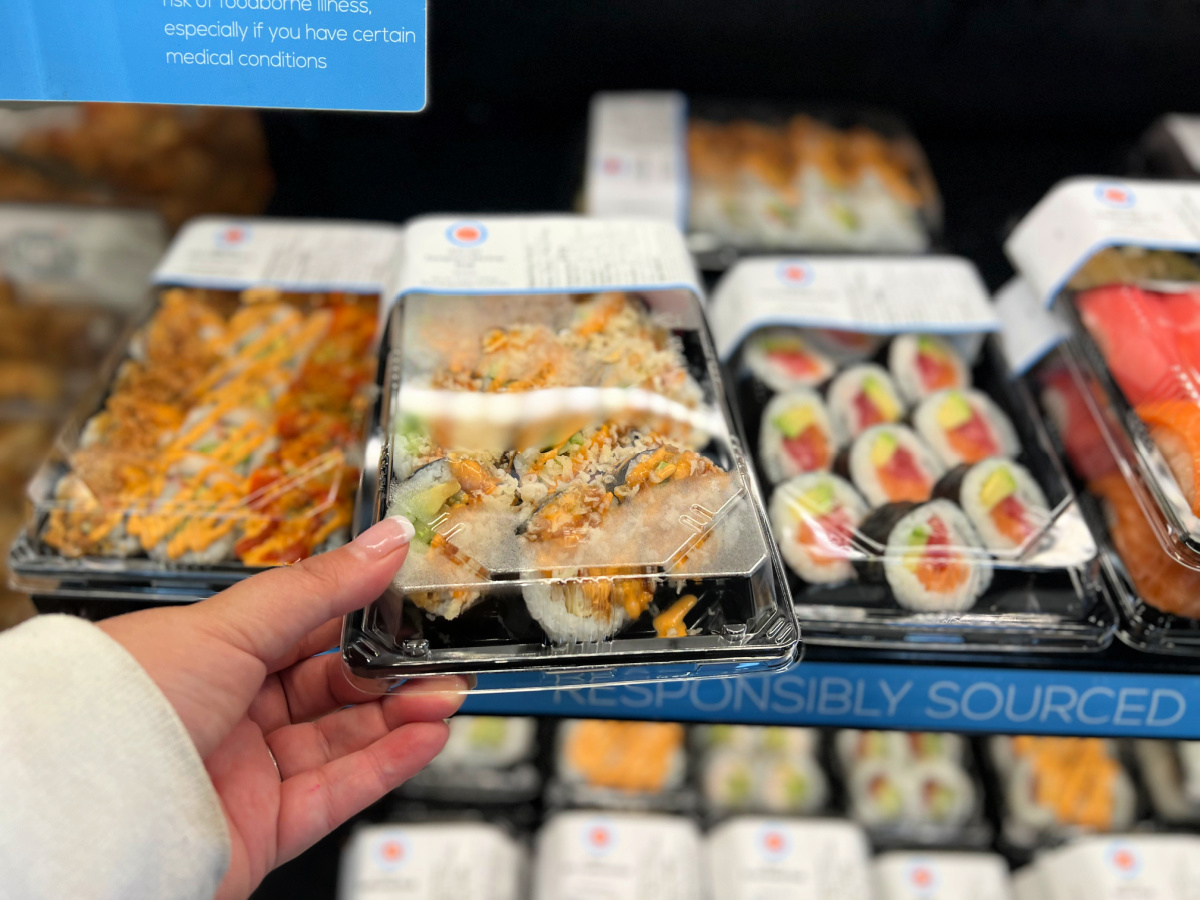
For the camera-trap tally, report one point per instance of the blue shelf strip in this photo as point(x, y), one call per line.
point(909, 697)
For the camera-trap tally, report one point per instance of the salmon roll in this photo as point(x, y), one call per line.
point(1002, 500)
point(863, 396)
point(923, 364)
point(931, 556)
point(965, 426)
point(784, 359)
point(813, 518)
point(796, 436)
point(890, 464)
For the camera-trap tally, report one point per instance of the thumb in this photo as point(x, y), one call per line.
point(267, 614)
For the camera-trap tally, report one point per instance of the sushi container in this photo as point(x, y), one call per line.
point(1149, 866)
point(912, 789)
point(800, 859)
point(756, 177)
point(1170, 772)
point(941, 876)
point(553, 423)
point(608, 764)
point(591, 853)
point(1054, 789)
point(430, 861)
point(487, 759)
point(915, 496)
point(1118, 259)
point(768, 770)
point(225, 434)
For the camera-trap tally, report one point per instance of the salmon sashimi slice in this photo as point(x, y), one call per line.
point(1135, 335)
point(1175, 427)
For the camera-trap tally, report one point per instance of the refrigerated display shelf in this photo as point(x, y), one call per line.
point(1119, 694)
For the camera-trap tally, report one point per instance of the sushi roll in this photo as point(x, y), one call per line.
point(794, 785)
point(932, 559)
point(862, 396)
point(635, 757)
point(854, 747)
point(879, 792)
point(796, 436)
point(730, 781)
point(1000, 497)
point(587, 610)
point(965, 426)
point(784, 359)
point(925, 745)
point(813, 518)
point(941, 794)
point(1067, 784)
point(923, 364)
point(890, 464)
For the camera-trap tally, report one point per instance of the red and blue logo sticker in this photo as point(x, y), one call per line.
point(794, 273)
point(466, 234)
point(922, 878)
point(1115, 196)
point(234, 236)
point(773, 843)
point(1123, 859)
point(392, 852)
point(599, 838)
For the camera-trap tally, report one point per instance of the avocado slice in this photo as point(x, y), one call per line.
point(883, 449)
point(954, 412)
point(998, 486)
point(880, 397)
point(818, 500)
point(794, 421)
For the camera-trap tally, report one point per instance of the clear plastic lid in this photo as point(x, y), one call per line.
point(915, 495)
point(763, 177)
point(1119, 260)
point(559, 439)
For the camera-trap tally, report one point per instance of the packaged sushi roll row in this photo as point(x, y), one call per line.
point(565, 455)
point(907, 473)
point(486, 760)
point(770, 770)
point(226, 435)
point(1121, 392)
point(911, 787)
point(740, 178)
point(1055, 788)
point(589, 853)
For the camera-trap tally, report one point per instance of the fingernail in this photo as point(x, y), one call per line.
point(385, 537)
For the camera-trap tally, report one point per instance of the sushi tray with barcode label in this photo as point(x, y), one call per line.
point(1120, 264)
point(553, 423)
point(224, 437)
point(740, 177)
point(915, 495)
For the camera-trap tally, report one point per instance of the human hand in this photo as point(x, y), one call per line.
point(239, 670)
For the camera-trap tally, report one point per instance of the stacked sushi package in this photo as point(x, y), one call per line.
point(1122, 391)
point(737, 177)
point(553, 424)
point(226, 435)
point(914, 494)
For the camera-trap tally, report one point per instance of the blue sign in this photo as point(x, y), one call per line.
point(300, 54)
point(914, 698)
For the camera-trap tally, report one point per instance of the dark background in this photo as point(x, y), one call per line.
point(1007, 96)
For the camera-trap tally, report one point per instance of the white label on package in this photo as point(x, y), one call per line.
point(635, 157)
point(294, 255)
point(1082, 216)
point(941, 876)
point(596, 856)
point(761, 859)
point(543, 254)
point(66, 255)
point(880, 294)
point(468, 861)
point(1134, 867)
point(1185, 130)
point(1028, 329)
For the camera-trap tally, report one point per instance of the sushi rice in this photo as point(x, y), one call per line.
point(813, 518)
point(796, 435)
point(965, 426)
point(784, 359)
point(929, 563)
point(923, 364)
point(862, 396)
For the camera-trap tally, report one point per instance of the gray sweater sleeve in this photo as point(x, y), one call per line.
point(103, 792)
